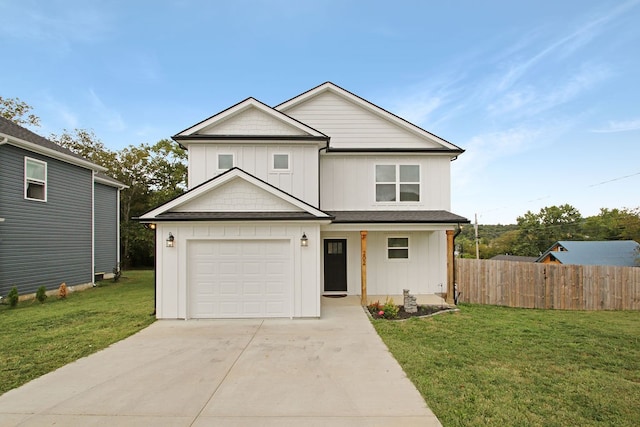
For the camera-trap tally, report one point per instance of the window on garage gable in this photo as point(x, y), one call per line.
point(225, 161)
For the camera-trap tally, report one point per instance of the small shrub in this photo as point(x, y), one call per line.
point(41, 294)
point(12, 296)
point(390, 309)
point(62, 291)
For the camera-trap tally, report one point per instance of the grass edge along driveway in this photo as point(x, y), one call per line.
point(39, 338)
point(499, 366)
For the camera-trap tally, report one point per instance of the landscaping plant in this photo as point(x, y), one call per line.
point(41, 294)
point(13, 297)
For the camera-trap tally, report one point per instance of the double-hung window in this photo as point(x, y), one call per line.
point(397, 183)
point(35, 179)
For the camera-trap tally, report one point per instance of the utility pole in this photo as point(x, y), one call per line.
point(477, 240)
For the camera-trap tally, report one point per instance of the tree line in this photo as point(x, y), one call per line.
point(534, 233)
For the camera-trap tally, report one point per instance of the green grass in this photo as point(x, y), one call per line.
point(39, 338)
point(497, 366)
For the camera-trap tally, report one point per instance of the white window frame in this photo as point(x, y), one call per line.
point(397, 183)
point(233, 161)
point(273, 162)
point(397, 248)
point(28, 180)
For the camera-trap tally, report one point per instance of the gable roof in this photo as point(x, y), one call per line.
point(300, 130)
point(369, 106)
point(19, 136)
point(609, 252)
point(170, 211)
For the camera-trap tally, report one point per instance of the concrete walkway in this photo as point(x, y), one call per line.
point(330, 371)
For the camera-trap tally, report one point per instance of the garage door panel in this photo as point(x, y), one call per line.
point(247, 278)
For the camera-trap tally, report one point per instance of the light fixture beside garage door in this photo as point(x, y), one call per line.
point(304, 241)
point(170, 241)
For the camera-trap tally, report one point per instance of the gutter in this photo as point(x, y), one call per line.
point(4, 141)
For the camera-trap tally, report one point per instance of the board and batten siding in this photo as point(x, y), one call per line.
point(425, 272)
point(105, 228)
point(44, 243)
point(348, 182)
point(352, 126)
point(301, 180)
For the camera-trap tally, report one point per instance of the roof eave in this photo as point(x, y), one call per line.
point(21, 143)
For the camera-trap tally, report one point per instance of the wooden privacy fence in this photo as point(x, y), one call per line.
point(533, 285)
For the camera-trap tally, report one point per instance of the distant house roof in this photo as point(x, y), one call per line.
point(610, 252)
point(514, 258)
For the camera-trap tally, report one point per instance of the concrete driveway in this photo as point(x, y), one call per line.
point(317, 372)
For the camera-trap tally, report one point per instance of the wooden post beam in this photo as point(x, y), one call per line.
point(450, 268)
point(363, 267)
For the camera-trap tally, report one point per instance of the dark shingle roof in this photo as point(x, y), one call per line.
point(350, 217)
point(10, 128)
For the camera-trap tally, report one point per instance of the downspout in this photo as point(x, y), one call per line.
point(455, 285)
point(325, 148)
point(93, 227)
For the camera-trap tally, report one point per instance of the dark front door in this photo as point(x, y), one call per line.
point(335, 265)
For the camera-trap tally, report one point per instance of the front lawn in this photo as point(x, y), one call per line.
point(497, 366)
point(39, 338)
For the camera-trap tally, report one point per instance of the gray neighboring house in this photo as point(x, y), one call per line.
point(59, 214)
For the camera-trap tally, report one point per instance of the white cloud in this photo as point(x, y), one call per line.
point(619, 126)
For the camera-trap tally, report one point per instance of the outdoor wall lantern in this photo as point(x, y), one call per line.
point(170, 241)
point(304, 241)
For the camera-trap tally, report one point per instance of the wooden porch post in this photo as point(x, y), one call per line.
point(363, 267)
point(450, 267)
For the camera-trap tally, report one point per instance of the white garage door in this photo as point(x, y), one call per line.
point(239, 278)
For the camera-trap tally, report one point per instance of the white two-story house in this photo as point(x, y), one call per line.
point(325, 193)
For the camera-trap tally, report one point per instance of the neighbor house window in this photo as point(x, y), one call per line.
point(35, 179)
point(398, 248)
point(397, 183)
point(225, 161)
point(281, 162)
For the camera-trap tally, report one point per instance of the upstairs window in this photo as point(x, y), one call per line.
point(398, 248)
point(280, 162)
point(397, 183)
point(225, 161)
point(35, 179)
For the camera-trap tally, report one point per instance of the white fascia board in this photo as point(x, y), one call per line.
point(109, 182)
point(381, 112)
point(224, 178)
point(52, 153)
point(247, 103)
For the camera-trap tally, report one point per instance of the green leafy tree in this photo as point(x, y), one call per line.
point(18, 112)
point(537, 232)
point(613, 224)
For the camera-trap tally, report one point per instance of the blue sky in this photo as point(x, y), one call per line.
point(544, 95)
